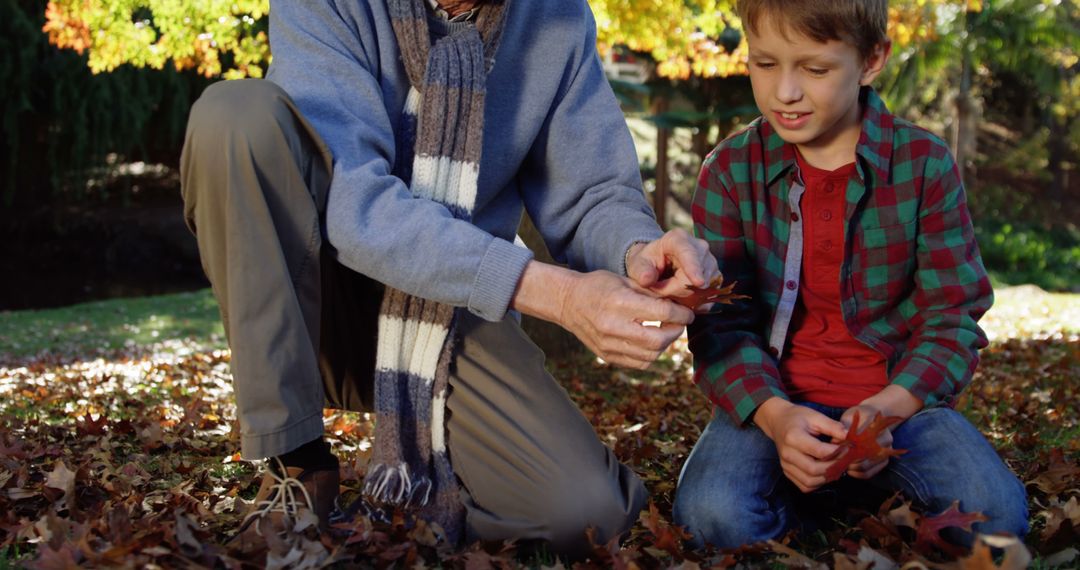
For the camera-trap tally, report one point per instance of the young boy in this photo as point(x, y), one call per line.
point(849, 229)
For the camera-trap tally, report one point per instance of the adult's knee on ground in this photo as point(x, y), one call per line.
point(597, 501)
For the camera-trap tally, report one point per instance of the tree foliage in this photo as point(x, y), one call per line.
point(216, 37)
point(58, 121)
point(699, 38)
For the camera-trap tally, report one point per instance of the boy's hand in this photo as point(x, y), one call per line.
point(670, 264)
point(867, 468)
point(795, 430)
point(893, 400)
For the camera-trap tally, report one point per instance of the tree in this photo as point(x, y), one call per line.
point(217, 37)
point(945, 53)
point(966, 48)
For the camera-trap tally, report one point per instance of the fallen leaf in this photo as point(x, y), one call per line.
point(88, 426)
point(64, 558)
point(191, 546)
point(666, 536)
point(903, 516)
point(1059, 476)
point(928, 533)
point(793, 559)
point(63, 479)
point(1016, 555)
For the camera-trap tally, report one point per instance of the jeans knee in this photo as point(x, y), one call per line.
point(1003, 501)
point(1005, 505)
point(727, 521)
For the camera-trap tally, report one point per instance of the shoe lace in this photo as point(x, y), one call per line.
point(282, 498)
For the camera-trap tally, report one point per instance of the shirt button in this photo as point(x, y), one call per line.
point(826, 215)
point(826, 245)
point(791, 285)
point(794, 217)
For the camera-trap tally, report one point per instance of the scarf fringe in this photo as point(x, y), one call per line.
point(393, 485)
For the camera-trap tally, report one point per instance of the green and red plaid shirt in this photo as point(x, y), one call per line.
point(913, 286)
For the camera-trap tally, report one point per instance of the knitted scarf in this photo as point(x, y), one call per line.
point(439, 157)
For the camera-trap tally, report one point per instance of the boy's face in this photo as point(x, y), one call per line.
point(809, 90)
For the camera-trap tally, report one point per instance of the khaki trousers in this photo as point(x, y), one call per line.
point(301, 326)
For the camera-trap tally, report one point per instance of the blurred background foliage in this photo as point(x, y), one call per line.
point(88, 89)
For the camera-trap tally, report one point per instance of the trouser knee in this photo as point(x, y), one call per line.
point(245, 108)
point(607, 507)
point(239, 135)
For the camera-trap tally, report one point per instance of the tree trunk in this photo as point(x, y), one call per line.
point(1057, 152)
point(966, 127)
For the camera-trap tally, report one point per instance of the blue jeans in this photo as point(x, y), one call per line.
point(732, 490)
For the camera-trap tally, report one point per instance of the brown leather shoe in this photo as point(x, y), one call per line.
point(290, 499)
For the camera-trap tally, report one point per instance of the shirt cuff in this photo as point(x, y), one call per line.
point(497, 279)
point(626, 255)
point(626, 250)
point(925, 380)
point(741, 399)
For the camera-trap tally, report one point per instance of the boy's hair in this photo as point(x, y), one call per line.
point(861, 24)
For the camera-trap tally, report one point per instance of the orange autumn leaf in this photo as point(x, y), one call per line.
point(666, 536)
point(715, 292)
point(859, 446)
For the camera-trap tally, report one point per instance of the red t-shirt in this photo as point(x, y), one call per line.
point(823, 363)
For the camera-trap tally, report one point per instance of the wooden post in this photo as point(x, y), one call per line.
point(663, 180)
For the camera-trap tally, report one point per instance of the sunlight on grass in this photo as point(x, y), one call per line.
point(1029, 312)
point(111, 325)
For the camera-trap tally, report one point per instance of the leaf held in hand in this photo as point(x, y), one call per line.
point(715, 292)
point(860, 446)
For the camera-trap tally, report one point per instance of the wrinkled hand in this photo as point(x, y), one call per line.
point(869, 467)
point(795, 430)
point(606, 312)
point(669, 265)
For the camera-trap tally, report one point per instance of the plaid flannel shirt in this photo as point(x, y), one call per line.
point(913, 286)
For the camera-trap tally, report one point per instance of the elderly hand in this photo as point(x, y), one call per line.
point(605, 311)
point(669, 265)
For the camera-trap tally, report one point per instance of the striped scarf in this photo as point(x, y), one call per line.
point(439, 157)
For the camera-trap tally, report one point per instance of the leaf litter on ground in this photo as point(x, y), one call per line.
point(128, 458)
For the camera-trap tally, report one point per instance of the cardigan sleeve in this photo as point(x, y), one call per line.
point(580, 180)
point(323, 58)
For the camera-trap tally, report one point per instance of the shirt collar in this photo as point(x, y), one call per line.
point(874, 146)
point(445, 16)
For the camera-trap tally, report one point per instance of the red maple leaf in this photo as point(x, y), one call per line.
point(929, 532)
point(859, 446)
point(715, 292)
point(88, 426)
point(668, 537)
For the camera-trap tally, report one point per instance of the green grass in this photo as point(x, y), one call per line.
point(112, 324)
point(14, 557)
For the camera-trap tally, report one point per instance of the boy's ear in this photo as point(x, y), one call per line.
point(876, 62)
